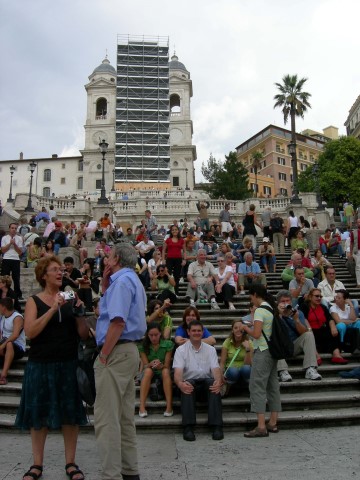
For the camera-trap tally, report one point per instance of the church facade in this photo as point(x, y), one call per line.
point(82, 175)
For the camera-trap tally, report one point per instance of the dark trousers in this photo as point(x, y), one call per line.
point(201, 392)
point(167, 294)
point(268, 233)
point(226, 294)
point(174, 268)
point(12, 267)
point(325, 342)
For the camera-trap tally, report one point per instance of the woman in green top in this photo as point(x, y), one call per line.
point(300, 242)
point(157, 314)
point(155, 355)
point(236, 357)
point(264, 383)
point(164, 283)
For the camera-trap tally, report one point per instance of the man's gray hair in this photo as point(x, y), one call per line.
point(282, 293)
point(247, 254)
point(127, 255)
point(201, 250)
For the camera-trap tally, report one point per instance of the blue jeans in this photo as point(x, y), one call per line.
point(204, 223)
point(269, 261)
point(342, 327)
point(332, 249)
point(236, 375)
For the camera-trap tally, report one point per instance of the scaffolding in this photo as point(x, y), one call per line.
point(142, 109)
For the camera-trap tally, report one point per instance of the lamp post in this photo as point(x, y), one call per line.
point(29, 207)
point(103, 149)
point(186, 176)
point(12, 170)
point(292, 152)
point(113, 185)
point(315, 172)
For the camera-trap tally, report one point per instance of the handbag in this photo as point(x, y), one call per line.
point(85, 374)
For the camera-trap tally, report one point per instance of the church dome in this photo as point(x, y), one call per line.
point(174, 64)
point(105, 67)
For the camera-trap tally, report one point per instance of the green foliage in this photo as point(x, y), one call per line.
point(227, 179)
point(339, 172)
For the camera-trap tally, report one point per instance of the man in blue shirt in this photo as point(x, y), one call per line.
point(302, 336)
point(249, 273)
point(121, 323)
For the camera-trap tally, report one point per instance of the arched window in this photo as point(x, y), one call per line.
point(80, 183)
point(47, 175)
point(175, 106)
point(101, 108)
point(46, 192)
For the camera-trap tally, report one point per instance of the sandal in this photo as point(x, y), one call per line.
point(257, 432)
point(272, 428)
point(34, 475)
point(74, 472)
point(3, 381)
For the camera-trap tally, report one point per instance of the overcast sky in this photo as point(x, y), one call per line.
point(235, 51)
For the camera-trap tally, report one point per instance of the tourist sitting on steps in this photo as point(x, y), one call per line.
point(249, 273)
point(302, 336)
point(181, 334)
point(201, 274)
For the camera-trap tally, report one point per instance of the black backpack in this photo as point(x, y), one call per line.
point(280, 344)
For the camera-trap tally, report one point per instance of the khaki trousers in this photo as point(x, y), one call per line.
point(114, 412)
point(305, 343)
point(278, 239)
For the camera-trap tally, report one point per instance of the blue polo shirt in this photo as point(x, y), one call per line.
point(125, 298)
point(181, 332)
point(244, 268)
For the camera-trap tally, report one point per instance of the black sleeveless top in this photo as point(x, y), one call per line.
point(58, 342)
point(249, 225)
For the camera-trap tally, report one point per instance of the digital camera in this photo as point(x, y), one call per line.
point(70, 295)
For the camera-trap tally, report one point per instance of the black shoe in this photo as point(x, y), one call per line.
point(217, 433)
point(189, 434)
point(131, 477)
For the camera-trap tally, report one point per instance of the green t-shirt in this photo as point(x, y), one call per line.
point(164, 285)
point(160, 354)
point(266, 318)
point(166, 321)
point(231, 351)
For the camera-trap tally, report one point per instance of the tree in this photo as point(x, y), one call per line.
point(227, 179)
point(294, 102)
point(338, 176)
point(256, 158)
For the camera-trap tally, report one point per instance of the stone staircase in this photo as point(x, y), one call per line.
point(331, 401)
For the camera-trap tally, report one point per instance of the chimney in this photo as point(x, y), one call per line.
point(21, 156)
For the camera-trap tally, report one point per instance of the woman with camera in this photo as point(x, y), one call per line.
point(50, 398)
point(164, 283)
point(236, 358)
point(155, 354)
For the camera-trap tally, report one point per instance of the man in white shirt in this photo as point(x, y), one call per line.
point(12, 247)
point(146, 247)
point(197, 372)
point(329, 286)
point(201, 274)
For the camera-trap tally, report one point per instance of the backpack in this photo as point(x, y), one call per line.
point(280, 344)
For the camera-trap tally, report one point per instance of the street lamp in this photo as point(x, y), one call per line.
point(292, 152)
point(113, 185)
point(12, 170)
point(315, 172)
point(103, 149)
point(186, 174)
point(29, 207)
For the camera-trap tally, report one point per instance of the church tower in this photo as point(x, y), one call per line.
point(182, 151)
point(100, 125)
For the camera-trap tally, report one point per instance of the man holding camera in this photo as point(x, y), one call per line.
point(302, 336)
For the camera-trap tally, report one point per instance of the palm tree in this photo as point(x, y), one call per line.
point(256, 158)
point(294, 102)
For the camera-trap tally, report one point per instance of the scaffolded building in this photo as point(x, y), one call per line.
point(142, 109)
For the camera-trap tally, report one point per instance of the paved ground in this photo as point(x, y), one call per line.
point(319, 454)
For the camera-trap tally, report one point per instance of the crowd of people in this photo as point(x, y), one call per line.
point(131, 284)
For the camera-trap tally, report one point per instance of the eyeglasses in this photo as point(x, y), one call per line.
point(55, 270)
point(317, 296)
point(161, 271)
point(220, 261)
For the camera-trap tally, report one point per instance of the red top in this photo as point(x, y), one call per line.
point(174, 249)
point(316, 317)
